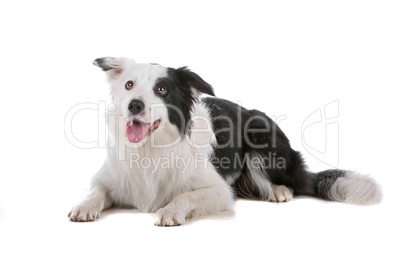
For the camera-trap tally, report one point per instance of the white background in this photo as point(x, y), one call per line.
point(286, 58)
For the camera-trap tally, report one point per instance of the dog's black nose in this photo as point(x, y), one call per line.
point(136, 107)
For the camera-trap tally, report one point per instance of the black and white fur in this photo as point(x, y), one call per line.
point(204, 131)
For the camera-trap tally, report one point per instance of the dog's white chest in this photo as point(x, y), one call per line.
point(150, 177)
point(149, 184)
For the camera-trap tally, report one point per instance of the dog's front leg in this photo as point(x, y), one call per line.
point(90, 208)
point(97, 200)
point(204, 201)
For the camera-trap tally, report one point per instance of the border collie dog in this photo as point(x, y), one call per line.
point(177, 150)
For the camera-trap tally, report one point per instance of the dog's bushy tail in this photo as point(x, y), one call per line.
point(346, 186)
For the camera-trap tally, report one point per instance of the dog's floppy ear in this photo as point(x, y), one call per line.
point(195, 82)
point(112, 66)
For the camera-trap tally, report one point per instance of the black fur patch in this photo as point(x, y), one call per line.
point(179, 98)
point(279, 162)
point(193, 80)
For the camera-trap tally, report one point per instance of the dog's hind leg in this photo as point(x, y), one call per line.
point(281, 194)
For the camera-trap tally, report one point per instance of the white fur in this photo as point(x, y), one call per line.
point(174, 193)
point(149, 189)
point(230, 179)
point(356, 188)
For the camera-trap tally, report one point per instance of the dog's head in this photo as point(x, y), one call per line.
point(150, 96)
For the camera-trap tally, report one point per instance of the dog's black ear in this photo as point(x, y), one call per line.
point(112, 66)
point(195, 82)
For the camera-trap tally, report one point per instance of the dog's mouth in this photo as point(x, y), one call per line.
point(137, 130)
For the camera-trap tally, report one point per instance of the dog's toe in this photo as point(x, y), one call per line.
point(168, 216)
point(83, 213)
point(281, 194)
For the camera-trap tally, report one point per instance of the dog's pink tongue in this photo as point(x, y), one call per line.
point(136, 132)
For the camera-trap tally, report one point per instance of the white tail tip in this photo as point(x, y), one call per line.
point(356, 188)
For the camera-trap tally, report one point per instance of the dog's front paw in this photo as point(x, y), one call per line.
point(170, 216)
point(83, 213)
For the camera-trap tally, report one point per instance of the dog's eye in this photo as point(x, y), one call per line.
point(129, 85)
point(162, 90)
